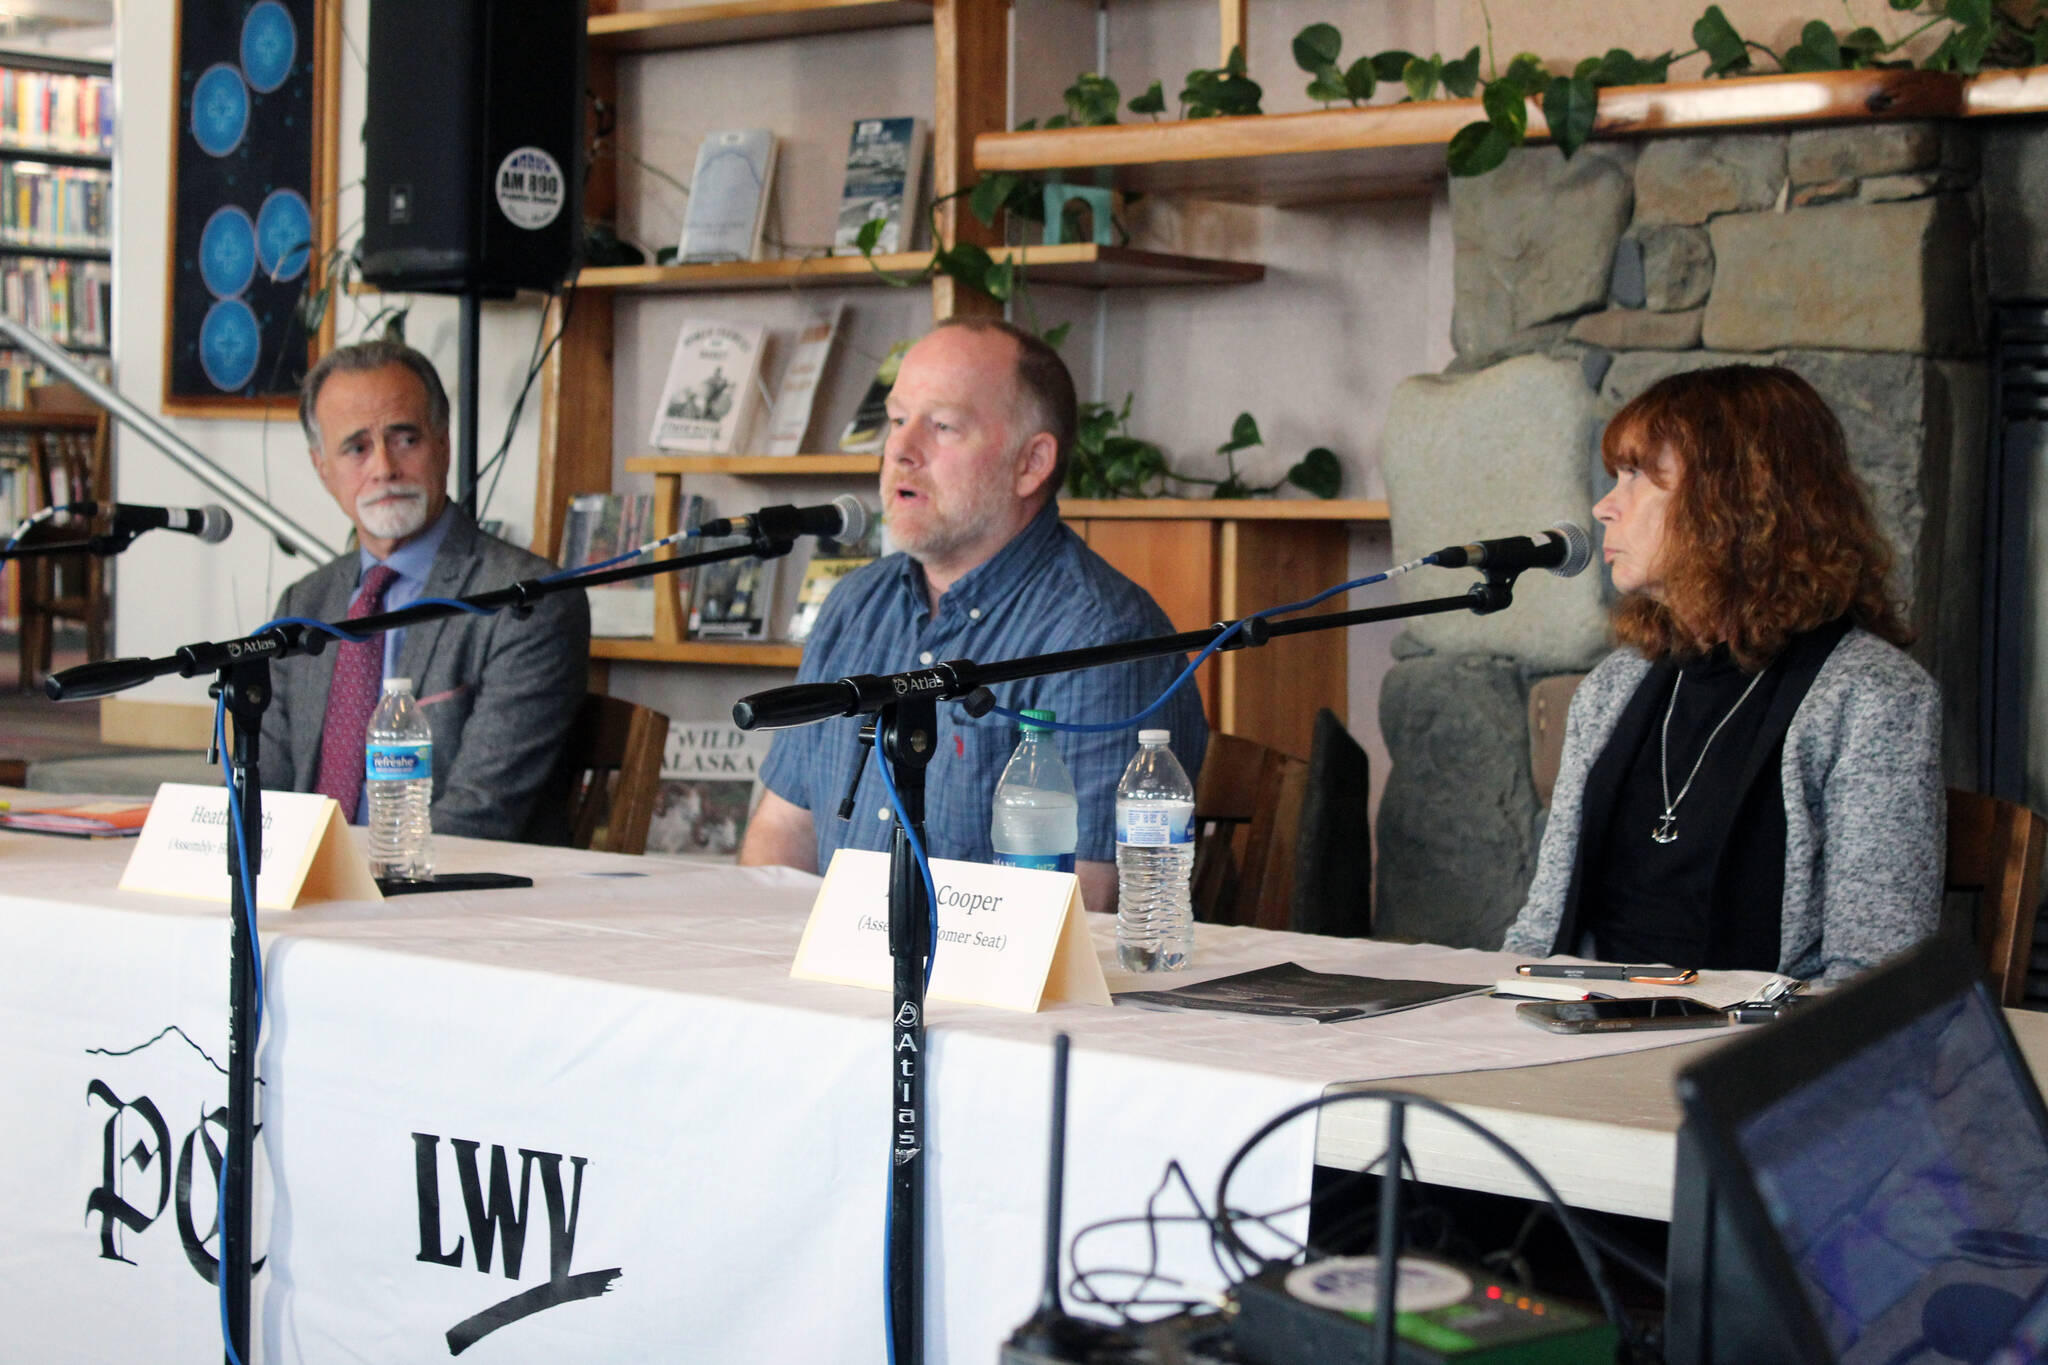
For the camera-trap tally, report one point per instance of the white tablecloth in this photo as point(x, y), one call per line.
point(603, 1100)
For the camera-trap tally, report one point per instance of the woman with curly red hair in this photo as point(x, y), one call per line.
point(1754, 779)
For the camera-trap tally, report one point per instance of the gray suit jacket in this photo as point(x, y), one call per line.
point(1865, 810)
point(499, 692)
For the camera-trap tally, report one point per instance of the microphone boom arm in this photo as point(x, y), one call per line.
point(107, 676)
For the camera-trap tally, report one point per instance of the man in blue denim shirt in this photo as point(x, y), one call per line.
point(981, 421)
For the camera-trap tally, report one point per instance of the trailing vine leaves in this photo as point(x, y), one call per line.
point(1109, 462)
point(1212, 92)
point(1980, 33)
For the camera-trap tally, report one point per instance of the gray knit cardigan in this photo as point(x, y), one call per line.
point(1865, 809)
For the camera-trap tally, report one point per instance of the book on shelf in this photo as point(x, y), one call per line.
point(602, 526)
point(830, 561)
point(731, 599)
point(708, 772)
point(728, 196)
point(709, 394)
point(869, 426)
point(790, 419)
point(884, 168)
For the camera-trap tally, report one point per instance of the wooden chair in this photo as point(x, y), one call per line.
point(67, 444)
point(615, 749)
point(1247, 822)
point(1995, 850)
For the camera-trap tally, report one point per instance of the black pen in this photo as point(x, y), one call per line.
point(1610, 971)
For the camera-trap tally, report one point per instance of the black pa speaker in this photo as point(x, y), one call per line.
point(473, 166)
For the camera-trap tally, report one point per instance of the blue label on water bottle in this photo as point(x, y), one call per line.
point(1154, 826)
point(1037, 862)
point(398, 762)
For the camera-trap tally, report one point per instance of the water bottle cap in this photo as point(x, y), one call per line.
point(1032, 715)
point(397, 685)
point(1154, 736)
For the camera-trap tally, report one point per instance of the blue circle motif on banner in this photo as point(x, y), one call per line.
point(220, 109)
point(269, 42)
point(227, 252)
point(284, 235)
point(229, 344)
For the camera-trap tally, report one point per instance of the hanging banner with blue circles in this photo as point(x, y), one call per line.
point(249, 232)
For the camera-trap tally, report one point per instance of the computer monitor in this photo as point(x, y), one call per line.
point(1865, 1181)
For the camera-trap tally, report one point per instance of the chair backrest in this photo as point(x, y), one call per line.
point(1247, 822)
point(1333, 856)
point(1995, 850)
point(615, 751)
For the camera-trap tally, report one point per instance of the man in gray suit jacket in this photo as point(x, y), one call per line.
point(499, 692)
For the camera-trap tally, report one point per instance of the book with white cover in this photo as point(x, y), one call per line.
point(790, 420)
point(710, 391)
point(728, 196)
point(602, 526)
point(708, 772)
point(884, 167)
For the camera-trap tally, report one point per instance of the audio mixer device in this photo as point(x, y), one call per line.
point(1320, 1313)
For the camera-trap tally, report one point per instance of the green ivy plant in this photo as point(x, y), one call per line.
point(1109, 462)
point(1980, 34)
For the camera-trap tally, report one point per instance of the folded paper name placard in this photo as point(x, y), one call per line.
point(1008, 937)
point(308, 852)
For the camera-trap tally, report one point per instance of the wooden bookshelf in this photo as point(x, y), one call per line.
point(769, 465)
point(1397, 150)
point(1223, 509)
point(747, 21)
point(1083, 264)
point(736, 654)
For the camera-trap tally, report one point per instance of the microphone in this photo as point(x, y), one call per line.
point(210, 523)
point(843, 518)
point(1565, 550)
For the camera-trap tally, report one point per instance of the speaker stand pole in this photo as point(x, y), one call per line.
point(466, 384)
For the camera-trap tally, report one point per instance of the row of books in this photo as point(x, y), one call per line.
point(57, 206)
point(20, 371)
point(67, 301)
point(713, 393)
point(733, 599)
point(735, 174)
point(46, 111)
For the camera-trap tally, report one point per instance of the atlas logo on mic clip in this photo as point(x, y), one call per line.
point(906, 683)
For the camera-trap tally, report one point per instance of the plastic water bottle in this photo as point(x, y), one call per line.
point(1035, 821)
point(398, 775)
point(1155, 853)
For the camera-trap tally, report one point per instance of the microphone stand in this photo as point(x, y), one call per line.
point(242, 682)
point(905, 705)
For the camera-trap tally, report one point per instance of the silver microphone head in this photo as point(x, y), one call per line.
point(215, 523)
point(1578, 549)
point(854, 517)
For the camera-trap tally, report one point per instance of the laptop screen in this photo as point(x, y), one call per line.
point(1909, 1187)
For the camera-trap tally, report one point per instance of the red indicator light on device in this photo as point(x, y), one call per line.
point(1493, 1291)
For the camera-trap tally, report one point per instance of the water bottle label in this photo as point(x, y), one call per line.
point(398, 762)
point(1037, 862)
point(1155, 826)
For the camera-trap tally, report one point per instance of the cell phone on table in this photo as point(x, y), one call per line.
point(1614, 1016)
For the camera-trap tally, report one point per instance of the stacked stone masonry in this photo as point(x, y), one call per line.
point(1856, 256)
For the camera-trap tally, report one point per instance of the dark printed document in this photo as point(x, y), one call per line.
point(1291, 991)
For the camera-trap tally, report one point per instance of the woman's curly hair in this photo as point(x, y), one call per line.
point(1768, 532)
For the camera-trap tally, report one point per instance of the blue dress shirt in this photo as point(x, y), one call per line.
point(1043, 591)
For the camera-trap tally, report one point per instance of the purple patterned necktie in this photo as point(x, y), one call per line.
point(358, 678)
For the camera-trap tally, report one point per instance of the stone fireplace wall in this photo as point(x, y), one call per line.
point(1853, 256)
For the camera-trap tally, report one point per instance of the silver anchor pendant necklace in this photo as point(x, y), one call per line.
point(1666, 830)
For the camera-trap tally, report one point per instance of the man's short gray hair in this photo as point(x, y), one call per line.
point(359, 358)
